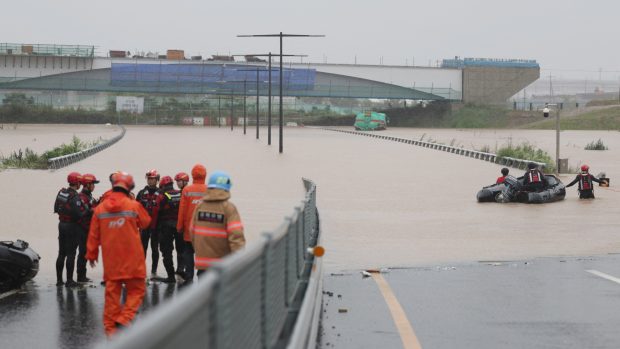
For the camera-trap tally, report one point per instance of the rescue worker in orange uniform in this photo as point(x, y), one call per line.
point(182, 179)
point(216, 228)
point(149, 198)
point(585, 179)
point(167, 224)
point(86, 195)
point(190, 197)
point(533, 179)
point(115, 226)
point(70, 210)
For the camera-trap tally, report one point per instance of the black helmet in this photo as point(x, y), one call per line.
point(531, 165)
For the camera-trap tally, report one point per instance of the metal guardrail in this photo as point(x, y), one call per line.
point(265, 296)
point(66, 160)
point(491, 157)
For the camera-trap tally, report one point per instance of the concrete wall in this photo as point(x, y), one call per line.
point(495, 85)
point(17, 67)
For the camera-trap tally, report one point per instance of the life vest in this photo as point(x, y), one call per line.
point(170, 211)
point(62, 204)
point(585, 182)
point(148, 199)
point(87, 198)
point(534, 176)
point(89, 204)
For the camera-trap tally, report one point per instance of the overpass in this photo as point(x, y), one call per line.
point(73, 68)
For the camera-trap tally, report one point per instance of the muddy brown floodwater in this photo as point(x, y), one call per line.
point(382, 203)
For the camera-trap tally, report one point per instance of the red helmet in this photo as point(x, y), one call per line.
point(74, 178)
point(181, 176)
point(585, 168)
point(152, 174)
point(89, 178)
point(123, 180)
point(165, 180)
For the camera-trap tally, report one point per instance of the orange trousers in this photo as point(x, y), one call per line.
point(116, 313)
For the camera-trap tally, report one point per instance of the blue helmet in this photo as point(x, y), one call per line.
point(220, 180)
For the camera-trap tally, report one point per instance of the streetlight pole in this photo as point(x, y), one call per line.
point(281, 134)
point(270, 96)
point(557, 139)
point(281, 36)
point(257, 70)
point(269, 105)
point(557, 132)
point(244, 99)
point(257, 100)
point(232, 110)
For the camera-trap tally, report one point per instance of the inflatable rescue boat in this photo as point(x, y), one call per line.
point(18, 263)
point(513, 190)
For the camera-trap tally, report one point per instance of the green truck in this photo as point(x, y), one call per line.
point(370, 121)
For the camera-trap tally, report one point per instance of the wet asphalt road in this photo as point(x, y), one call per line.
point(45, 316)
point(538, 303)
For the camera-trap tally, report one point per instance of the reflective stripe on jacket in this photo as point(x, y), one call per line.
point(216, 228)
point(190, 197)
point(115, 226)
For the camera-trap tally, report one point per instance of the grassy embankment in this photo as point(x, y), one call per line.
point(601, 119)
point(29, 159)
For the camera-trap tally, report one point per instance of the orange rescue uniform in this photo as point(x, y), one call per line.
point(115, 226)
point(190, 197)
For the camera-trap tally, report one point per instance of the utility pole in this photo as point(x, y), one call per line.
point(269, 55)
point(244, 110)
point(281, 36)
point(232, 110)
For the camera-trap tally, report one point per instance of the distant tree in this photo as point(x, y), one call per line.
point(17, 99)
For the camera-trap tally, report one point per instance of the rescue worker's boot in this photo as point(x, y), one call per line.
point(70, 266)
point(170, 279)
point(83, 279)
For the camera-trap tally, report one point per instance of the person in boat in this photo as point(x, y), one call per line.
point(70, 210)
point(501, 179)
point(115, 226)
point(585, 179)
point(533, 179)
point(89, 202)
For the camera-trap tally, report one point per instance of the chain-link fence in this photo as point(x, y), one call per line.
point(256, 298)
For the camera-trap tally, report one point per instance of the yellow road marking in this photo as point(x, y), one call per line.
point(407, 336)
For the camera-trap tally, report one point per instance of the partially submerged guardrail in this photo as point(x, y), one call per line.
point(502, 160)
point(265, 296)
point(66, 160)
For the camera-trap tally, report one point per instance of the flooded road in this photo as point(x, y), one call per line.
point(382, 203)
point(41, 138)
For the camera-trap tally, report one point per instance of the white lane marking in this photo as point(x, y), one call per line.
point(604, 276)
point(6, 294)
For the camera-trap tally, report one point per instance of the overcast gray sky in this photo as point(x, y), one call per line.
point(572, 39)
